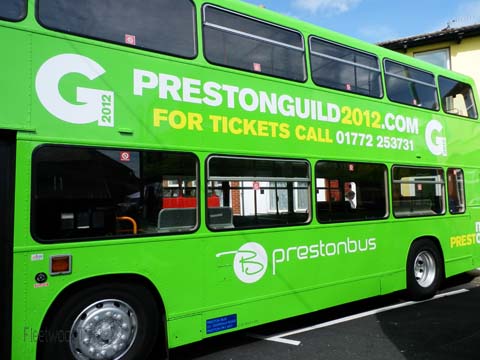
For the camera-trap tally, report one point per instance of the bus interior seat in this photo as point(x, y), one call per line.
point(176, 219)
point(220, 217)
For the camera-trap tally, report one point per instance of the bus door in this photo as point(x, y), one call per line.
point(7, 186)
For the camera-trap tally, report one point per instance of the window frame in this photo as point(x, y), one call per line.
point(440, 77)
point(460, 192)
point(23, 15)
point(443, 50)
point(294, 180)
point(377, 70)
point(341, 192)
point(124, 44)
point(419, 214)
point(205, 23)
point(117, 236)
point(434, 85)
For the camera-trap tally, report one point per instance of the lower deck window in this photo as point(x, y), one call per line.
point(456, 191)
point(90, 192)
point(347, 191)
point(418, 191)
point(252, 192)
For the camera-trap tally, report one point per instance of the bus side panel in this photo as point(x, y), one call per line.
point(15, 90)
point(7, 181)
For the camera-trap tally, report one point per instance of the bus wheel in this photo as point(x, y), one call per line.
point(424, 270)
point(118, 322)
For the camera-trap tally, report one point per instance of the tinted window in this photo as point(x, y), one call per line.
point(166, 26)
point(457, 98)
point(418, 192)
point(338, 67)
point(252, 192)
point(240, 42)
point(87, 192)
point(347, 191)
point(14, 10)
point(410, 86)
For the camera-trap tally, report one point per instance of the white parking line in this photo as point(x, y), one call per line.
point(281, 337)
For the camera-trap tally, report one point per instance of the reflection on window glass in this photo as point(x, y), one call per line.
point(87, 192)
point(338, 67)
point(418, 192)
point(251, 192)
point(457, 98)
point(440, 57)
point(14, 10)
point(166, 26)
point(410, 86)
point(244, 43)
point(347, 191)
point(456, 191)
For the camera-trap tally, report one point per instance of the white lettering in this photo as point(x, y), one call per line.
point(436, 144)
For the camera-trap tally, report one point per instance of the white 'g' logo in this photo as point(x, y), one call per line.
point(436, 144)
point(95, 105)
point(250, 262)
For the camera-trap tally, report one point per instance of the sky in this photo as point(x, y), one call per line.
point(379, 20)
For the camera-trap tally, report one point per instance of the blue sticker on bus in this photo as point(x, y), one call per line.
point(221, 324)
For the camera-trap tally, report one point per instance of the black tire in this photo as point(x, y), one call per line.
point(424, 270)
point(129, 301)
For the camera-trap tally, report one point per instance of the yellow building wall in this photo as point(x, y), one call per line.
point(464, 56)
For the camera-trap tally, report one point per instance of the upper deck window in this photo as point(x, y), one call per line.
point(14, 10)
point(166, 26)
point(457, 98)
point(407, 85)
point(342, 68)
point(245, 43)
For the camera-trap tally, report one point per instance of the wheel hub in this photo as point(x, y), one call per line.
point(425, 269)
point(104, 330)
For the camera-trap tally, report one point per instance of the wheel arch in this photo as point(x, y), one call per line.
point(161, 348)
point(425, 277)
point(434, 240)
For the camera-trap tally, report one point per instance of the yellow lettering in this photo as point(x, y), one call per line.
point(216, 121)
point(195, 121)
point(249, 127)
point(177, 119)
point(237, 130)
point(462, 240)
point(300, 132)
point(284, 131)
point(159, 115)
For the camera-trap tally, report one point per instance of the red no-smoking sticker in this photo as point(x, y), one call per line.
point(124, 156)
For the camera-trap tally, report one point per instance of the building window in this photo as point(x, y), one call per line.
point(256, 192)
point(241, 42)
point(440, 57)
point(411, 86)
point(13, 10)
point(457, 98)
point(81, 193)
point(418, 191)
point(348, 191)
point(166, 26)
point(339, 67)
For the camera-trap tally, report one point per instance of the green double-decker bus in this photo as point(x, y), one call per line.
point(171, 170)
